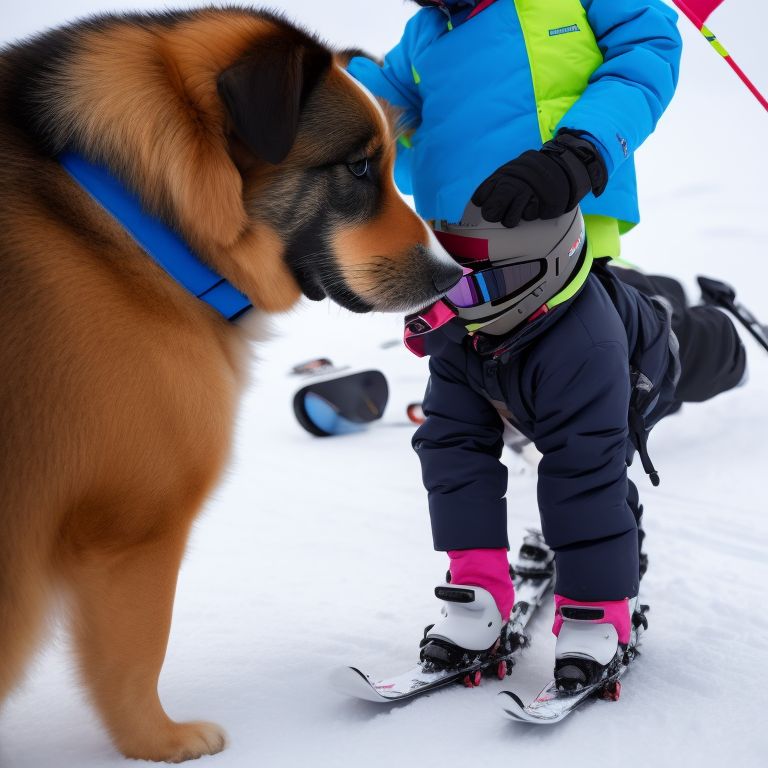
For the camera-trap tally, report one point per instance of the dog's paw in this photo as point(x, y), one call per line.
point(180, 742)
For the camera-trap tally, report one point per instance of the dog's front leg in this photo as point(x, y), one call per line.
point(123, 605)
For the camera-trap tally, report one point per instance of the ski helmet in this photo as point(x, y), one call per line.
point(509, 274)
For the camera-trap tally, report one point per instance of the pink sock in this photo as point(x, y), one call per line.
point(488, 569)
point(615, 612)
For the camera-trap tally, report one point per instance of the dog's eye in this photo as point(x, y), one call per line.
point(359, 168)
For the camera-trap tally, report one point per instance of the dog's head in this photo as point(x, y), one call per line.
point(316, 155)
point(249, 138)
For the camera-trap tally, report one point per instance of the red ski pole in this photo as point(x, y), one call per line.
point(698, 11)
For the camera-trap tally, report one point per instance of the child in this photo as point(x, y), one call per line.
point(530, 108)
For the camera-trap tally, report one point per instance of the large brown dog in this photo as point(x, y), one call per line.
point(118, 387)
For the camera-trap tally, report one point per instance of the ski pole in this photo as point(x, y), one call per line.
point(723, 295)
point(701, 11)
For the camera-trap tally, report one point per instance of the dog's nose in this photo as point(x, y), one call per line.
point(446, 276)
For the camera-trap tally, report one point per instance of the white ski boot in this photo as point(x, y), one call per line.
point(588, 652)
point(471, 627)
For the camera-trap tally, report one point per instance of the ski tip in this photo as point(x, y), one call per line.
point(353, 683)
point(512, 705)
point(348, 681)
point(514, 708)
point(513, 696)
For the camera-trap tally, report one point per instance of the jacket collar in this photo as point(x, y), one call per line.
point(158, 240)
point(465, 9)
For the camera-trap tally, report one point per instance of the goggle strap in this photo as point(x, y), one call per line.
point(427, 320)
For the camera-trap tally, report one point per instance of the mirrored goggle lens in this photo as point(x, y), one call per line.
point(327, 418)
point(495, 283)
point(342, 405)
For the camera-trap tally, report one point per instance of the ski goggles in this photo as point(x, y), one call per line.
point(341, 405)
point(495, 283)
point(486, 286)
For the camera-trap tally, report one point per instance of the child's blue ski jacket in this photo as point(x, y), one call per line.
point(478, 92)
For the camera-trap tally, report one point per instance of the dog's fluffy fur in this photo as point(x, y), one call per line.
point(118, 388)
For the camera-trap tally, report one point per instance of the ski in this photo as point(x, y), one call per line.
point(533, 576)
point(553, 706)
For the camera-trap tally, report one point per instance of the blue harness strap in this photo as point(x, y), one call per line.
point(158, 240)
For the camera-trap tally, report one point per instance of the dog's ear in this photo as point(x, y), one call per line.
point(265, 92)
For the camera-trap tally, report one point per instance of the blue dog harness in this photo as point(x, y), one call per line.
point(158, 240)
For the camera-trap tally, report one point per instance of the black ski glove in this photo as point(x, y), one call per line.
point(544, 183)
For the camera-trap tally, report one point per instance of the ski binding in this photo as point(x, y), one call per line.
point(533, 578)
point(553, 705)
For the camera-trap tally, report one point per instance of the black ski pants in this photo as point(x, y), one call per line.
point(712, 357)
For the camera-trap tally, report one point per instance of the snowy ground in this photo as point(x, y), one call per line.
point(316, 553)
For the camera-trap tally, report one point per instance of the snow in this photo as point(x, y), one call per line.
point(317, 553)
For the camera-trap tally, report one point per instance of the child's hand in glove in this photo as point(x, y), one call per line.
point(543, 184)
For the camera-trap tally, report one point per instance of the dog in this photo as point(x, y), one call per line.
point(245, 138)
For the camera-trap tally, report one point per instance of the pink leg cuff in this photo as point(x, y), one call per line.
point(615, 612)
point(488, 569)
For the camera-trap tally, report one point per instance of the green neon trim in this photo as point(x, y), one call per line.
point(603, 241)
point(626, 226)
point(405, 141)
point(560, 64)
point(714, 42)
point(603, 233)
point(545, 135)
point(416, 75)
point(450, 26)
point(574, 286)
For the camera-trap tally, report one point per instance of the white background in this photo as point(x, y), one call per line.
point(317, 553)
